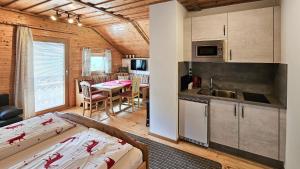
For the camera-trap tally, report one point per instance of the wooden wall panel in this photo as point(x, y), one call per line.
point(80, 37)
point(126, 38)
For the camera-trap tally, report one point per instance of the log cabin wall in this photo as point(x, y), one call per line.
point(78, 37)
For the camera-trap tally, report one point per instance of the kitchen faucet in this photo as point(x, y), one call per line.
point(211, 83)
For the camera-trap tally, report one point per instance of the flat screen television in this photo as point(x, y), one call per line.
point(139, 64)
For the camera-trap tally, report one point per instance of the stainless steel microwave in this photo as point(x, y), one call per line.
point(208, 51)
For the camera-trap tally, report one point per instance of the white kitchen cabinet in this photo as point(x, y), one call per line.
point(210, 27)
point(224, 123)
point(193, 121)
point(250, 36)
point(259, 130)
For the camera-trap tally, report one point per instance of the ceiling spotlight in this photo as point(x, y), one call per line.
point(78, 21)
point(70, 20)
point(53, 18)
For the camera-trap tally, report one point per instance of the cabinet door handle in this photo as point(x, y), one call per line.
point(230, 54)
point(243, 113)
point(224, 30)
point(205, 113)
point(235, 110)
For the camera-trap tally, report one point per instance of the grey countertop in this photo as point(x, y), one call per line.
point(193, 94)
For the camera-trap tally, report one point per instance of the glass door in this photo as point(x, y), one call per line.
point(49, 75)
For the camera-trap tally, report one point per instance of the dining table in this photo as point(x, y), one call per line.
point(115, 86)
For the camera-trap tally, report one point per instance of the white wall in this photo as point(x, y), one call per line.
point(166, 48)
point(290, 50)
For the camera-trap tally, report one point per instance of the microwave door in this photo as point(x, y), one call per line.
point(207, 51)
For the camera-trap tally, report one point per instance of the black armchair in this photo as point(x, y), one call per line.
point(8, 114)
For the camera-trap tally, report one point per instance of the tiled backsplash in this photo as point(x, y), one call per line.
point(251, 77)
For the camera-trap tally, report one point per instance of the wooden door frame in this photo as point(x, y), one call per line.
point(67, 50)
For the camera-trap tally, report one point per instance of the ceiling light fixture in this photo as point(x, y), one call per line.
point(70, 20)
point(78, 21)
point(53, 17)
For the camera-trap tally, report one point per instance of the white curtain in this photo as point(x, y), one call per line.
point(24, 78)
point(108, 61)
point(86, 62)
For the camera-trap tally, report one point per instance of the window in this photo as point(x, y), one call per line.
point(49, 75)
point(97, 63)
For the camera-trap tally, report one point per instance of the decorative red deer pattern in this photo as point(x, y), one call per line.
point(14, 126)
point(122, 142)
point(49, 121)
point(20, 137)
point(52, 159)
point(110, 162)
point(68, 139)
point(89, 147)
point(59, 131)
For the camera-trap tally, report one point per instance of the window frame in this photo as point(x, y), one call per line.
point(67, 49)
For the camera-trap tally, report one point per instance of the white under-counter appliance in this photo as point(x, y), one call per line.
point(193, 120)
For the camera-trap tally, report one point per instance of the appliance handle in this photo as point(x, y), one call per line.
point(235, 110)
point(224, 30)
point(243, 113)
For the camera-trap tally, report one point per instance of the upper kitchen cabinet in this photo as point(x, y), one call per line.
point(210, 27)
point(250, 36)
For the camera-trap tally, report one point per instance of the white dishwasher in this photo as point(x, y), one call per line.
point(193, 120)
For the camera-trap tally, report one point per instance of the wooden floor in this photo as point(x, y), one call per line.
point(135, 124)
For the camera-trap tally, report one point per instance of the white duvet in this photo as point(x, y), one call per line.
point(19, 136)
point(88, 149)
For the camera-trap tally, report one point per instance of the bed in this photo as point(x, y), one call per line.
point(127, 153)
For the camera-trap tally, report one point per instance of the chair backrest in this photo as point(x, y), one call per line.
point(86, 89)
point(136, 81)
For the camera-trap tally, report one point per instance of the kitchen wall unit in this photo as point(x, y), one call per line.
point(210, 27)
point(224, 123)
point(259, 130)
point(250, 35)
point(247, 127)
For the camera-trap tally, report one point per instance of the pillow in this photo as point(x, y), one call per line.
point(123, 77)
point(7, 112)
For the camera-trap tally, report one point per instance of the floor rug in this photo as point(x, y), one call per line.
point(165, 157)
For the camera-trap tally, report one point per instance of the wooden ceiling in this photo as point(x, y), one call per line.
point(130, 17)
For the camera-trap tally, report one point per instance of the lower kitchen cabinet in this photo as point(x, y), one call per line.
point(224, 123)
point(259, 130)
point(246, 127)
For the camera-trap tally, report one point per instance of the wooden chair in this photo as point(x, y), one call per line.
point(132, 94)
point(92, 97)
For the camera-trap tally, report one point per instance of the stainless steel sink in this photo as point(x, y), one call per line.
point(224, 93)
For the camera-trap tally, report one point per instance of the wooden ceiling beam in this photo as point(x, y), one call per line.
point(32, 6)
point(104, 2)
point(87, 17)
point(121, 17)
point(143, 5)
point(128, 3)
point(56, 7)
point(9, 3)
point(76, 9)
point(88, 4)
